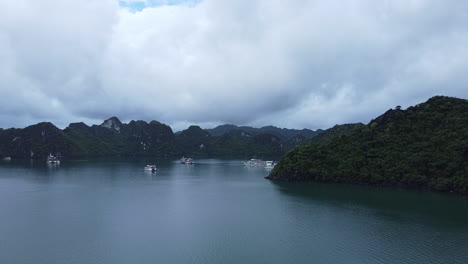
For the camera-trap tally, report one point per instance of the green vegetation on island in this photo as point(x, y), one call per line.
point(425, 146)
point(113, 137)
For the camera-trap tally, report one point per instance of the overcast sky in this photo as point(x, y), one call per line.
point(297, 64)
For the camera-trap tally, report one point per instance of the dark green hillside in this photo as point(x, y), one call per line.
point(241, 143)
point(335, 131)
point(193, 141)
point(287, 134)
point(221, 130)
point(83, 136)
point(140, 138)
point(283, 133)
point(235, 142)
point(113, 137)
point(425, 146)
point(37, 141)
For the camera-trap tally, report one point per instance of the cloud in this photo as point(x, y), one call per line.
point(305, 63)
point(139, 5)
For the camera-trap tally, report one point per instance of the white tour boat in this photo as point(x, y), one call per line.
point(269, 164)
point(185, 160)
point(51, 159)
point(254, 163)
point(151, 168)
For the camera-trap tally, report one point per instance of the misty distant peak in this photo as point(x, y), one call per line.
point(192, 131)
point(78, 125)
point(269, 127)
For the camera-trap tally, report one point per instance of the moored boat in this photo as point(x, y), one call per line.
point(151, 168)
point(269, 164)
point(51, 159)
point(254, 163)
point(185, 160)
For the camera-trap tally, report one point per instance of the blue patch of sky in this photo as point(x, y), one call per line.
point(136, 6)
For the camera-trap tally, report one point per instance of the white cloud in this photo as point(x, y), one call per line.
point(305, 63)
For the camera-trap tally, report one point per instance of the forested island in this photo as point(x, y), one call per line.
point(424, 146)
point(140, 138)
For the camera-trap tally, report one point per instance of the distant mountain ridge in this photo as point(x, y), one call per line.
point(284, 133)
point(113, 137)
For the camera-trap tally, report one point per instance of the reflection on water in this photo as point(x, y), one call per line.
point(215, 211)
point(384, 201)
point(52, 165)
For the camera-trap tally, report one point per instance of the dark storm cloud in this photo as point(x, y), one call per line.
point(297, 64)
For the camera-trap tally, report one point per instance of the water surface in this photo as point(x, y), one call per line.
point(216, 211)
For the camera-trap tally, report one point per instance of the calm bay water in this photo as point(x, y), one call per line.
point(216, 211)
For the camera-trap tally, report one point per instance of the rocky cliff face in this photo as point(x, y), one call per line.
point(112, 123)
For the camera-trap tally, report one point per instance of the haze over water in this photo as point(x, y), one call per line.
point(216, 211)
